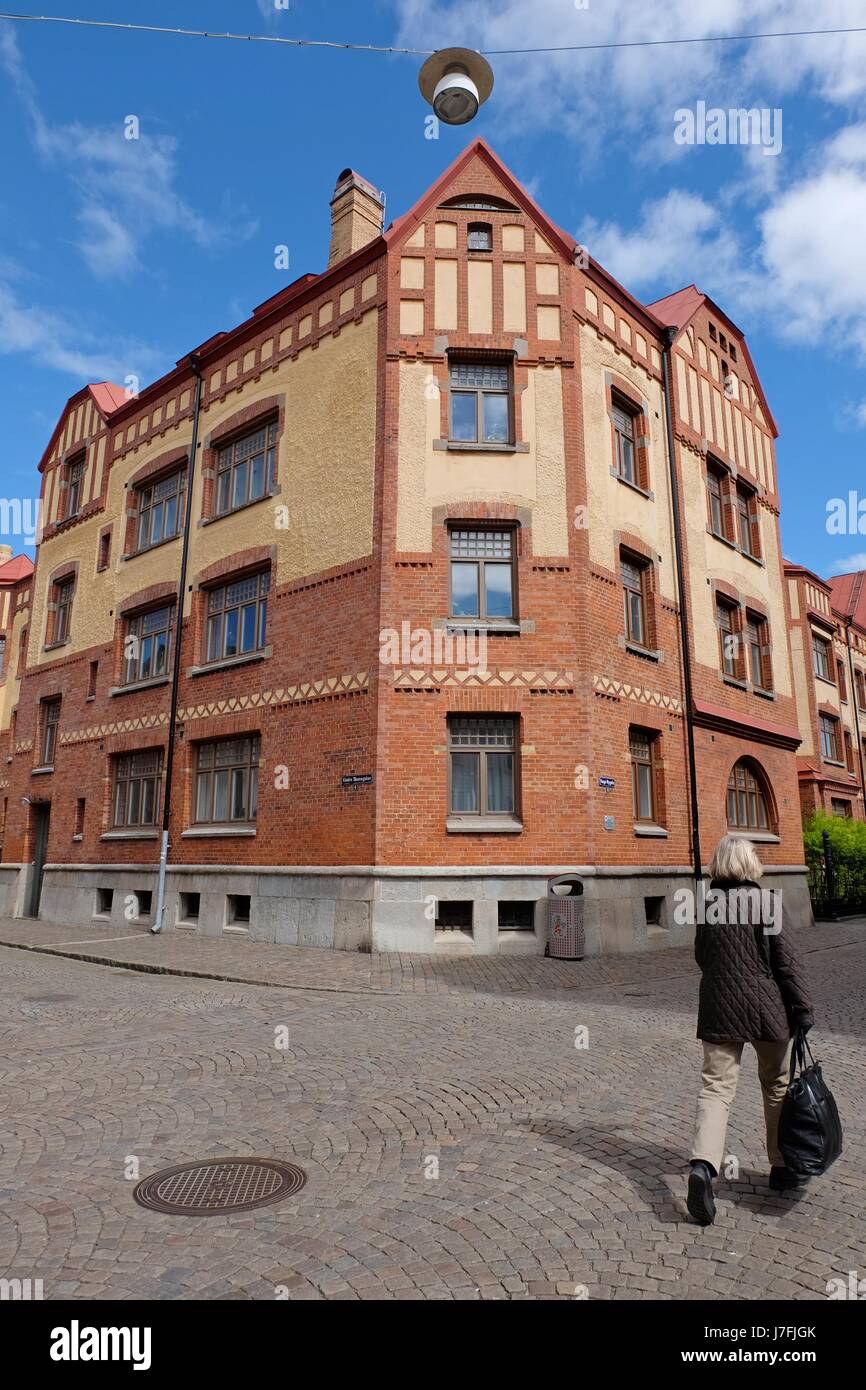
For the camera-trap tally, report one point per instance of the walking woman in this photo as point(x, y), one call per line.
point(752, 990)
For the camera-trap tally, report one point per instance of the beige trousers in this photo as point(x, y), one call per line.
point(719, 1078)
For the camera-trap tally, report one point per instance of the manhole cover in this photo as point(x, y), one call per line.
point(219, 1185)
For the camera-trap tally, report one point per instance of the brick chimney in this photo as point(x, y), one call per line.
point(357, 215)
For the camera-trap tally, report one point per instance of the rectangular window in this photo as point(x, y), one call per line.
point(747, 521)
point(160, 510)
point(642, 751)
point(729, 640)
point(237, 618)
point(821, 657)
point(2, 656)
point(829, 739)
point(480, 237)
point(860, 688)
point(79, 816)
point(104, 551)
point(482, 574)
point(633, 575)
point(481, 752)
point(838, 807)
point(50, 721)
point(92, 679)
point(715, 504)
point(849, 753)
point(137, 779)
point(758, 652)
point(480, 403)
point(147, 644)
point(624, 441)
point(841, 681)
point(63, 595)
point(246, 468)
point(227, 782)
point(74, 484)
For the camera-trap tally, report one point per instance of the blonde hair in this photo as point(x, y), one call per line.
point(736, 859)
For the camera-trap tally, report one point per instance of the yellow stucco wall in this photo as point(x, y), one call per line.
point(613, 506)
point(710, 556)
point(429, 477)
point(325, 471)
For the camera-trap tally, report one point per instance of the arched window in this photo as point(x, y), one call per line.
point(749, 801)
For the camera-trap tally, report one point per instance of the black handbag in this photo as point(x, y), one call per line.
point(810, 1132)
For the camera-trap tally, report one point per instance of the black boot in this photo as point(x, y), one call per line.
point(783, 1179)
point(700, 1202)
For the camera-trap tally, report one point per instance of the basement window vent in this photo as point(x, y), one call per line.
point(653, 910)
point(104, 902)
point(189, 906)
point(454, 916)
point(143, 902)
point(517, 916)
point(237, 909)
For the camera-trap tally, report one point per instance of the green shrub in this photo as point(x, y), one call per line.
point(847, 837)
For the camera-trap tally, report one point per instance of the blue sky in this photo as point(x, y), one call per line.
point(118, 256)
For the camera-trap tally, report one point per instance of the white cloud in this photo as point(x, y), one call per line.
point(628, 96)
point(854, 562)
point(141, 176)
point(676, 231)
point(53, 340)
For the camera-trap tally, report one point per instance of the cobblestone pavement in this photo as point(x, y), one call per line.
point(559, 1169)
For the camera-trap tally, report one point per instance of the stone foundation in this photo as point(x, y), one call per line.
point(362, 909)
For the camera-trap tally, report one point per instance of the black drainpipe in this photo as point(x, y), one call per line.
point(175, 678)
point(669, 336)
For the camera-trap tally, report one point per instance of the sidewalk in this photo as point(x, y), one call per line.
point(240, 961)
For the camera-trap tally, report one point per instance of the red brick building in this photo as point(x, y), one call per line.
point(430, 634)
point(828, 646)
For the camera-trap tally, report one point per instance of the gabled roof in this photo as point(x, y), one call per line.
point(793, 568)
point(479, 149)
point(679, 308)
point(106, 397)
point(848, 596)
point(19, 567)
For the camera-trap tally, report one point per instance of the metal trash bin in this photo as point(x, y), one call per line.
point(565, 933)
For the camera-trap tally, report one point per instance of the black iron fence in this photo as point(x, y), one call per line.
point(837, 881)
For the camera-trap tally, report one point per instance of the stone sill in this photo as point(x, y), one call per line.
point(151, 684)
point(758, 837)
point(42, 771)
point(228, 662)
point(130, 835)
point(217, 830)
point(452, 446)
point(233, 511)
point(635, 487)
point(55, 646)
point(650, 831)
point(157, 545)
point(646, 653)
point(491, 629)
point(486, 825)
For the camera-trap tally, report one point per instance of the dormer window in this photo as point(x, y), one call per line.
point(480, 236)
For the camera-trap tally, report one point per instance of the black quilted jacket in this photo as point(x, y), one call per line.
point(752, 984)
